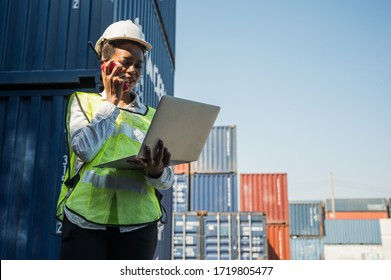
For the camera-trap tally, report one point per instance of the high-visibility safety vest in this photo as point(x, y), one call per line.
point(110, 196)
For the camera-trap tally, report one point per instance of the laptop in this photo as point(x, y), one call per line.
point(183, 125)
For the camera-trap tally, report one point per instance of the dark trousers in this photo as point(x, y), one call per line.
point(85, 244)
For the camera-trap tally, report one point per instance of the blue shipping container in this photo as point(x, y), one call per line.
point(163, 249)
point(186, 236)
point(306, 218)
point(219, 153)
point(307, 248)
point(214, 192)
point(220, 236)
point(33, 160)
point(180, 200)
point(44, 57)
point(352, 232)
point(357, 205)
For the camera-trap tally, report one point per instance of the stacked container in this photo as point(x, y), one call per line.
point(44, 58)
point(353, 229)
point(359, 208)
point(268, 193)
point(353, 240)
point(210, 183)
point(219, 236)
point(306, 230)
point(209, 186)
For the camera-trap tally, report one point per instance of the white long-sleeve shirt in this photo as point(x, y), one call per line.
point(88, 136)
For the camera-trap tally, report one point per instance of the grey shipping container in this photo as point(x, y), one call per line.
point(353, 252)
point(214, 192)
point(219, 153)
point(352, 232)
point(307, 248)
point(180, 200)
point(306, 218)
point(357, 205)
point(44, 57)
point(220, 236)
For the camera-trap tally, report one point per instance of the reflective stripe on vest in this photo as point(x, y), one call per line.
point(112, 196)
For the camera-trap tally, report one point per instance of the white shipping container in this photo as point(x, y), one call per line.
point(353, 252)
point(385, 231)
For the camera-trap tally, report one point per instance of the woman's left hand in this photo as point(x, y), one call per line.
point(155, 165)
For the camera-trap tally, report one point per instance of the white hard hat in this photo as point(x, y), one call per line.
point(122, 30)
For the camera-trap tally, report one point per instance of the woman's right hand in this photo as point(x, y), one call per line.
point(113, 81)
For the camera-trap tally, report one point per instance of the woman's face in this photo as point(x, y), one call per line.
point(131, 57)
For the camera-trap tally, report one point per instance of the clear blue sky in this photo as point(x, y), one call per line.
point(307, 83)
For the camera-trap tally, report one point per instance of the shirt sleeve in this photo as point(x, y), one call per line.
point(164, 182)
point(87, 137)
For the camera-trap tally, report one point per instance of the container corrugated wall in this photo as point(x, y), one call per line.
point(180, 201)
point(33, 159)
point(46, 41)
point(219, 236)
point(357, 205)
point(356, 215)
point(182, 168)
point(44, 57)
point(219, 153)
point(163, 248)
point(278, 241)
point(214, 192)
point(306, 218)
point(353, 252)
point(352, 232)
point(186, 236)
point(265, 193)
point(307, 248)
point(385, 231)
point(230, 236)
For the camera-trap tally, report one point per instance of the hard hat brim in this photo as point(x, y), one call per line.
point(98, 45)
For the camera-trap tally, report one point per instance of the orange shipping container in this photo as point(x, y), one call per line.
point(356, 215)
point(182, 168)
point(265, 193)
point(278, 242)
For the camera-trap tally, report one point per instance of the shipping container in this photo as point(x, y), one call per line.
point(180, 200)
point(46, 42)
point(306, 218)
point(357, 205)
point(265, 193)
point(352, 232)
point(356, 215)
point(33, 161)
point(385, 232)
point(278, 241)
point(219, 153)
point(306, 248)
point(182, 168)
point(230, 236)
point(186, 236)
point(163, 248)
point(353, 252)
point(219, 236)
point(44, 57)
point(214, 192)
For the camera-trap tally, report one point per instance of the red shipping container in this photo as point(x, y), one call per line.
point(278, 242)
point(356, 215)
point(182, 168)
point(265, 193)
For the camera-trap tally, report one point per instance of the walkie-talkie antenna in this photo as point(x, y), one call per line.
point(94, 50)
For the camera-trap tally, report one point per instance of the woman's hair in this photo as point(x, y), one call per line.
point(108, 48)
